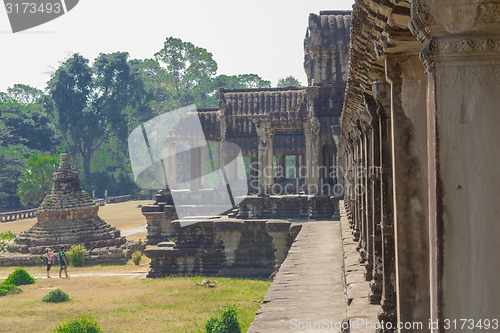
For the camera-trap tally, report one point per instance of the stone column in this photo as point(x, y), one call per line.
point(254, 171)
point(312, 143)
point(409, 154)
point(375, 205)
point(196, 166)
point(270, 169)
point(382, 93)
point(266, 175)
point(169, 162)
point(368, 205)
point(462, 62)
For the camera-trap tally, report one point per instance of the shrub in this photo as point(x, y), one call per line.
point(56, 296)
point(5, 238)
point(227, 322)
point(76, 255)
point(19, 277)
point(137, 257)
point(8, 289)
point(83, 324)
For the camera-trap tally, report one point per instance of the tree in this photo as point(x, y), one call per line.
point(24, 94)
point(12, 162)
point(95, 103)
point(36, 181)
point(191, 68)
point(253, 81)
point(289, 81)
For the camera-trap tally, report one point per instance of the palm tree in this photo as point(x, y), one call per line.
point(36, 181)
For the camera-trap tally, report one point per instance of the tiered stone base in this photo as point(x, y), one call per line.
point(91, 232)
point(223, 247)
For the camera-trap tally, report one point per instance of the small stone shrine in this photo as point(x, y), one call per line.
point(68, 216)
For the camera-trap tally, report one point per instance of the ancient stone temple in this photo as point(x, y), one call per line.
point(419, 135)
point(294, 127)
point(68, 216)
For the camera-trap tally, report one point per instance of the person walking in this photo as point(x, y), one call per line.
point(63, 261)
point(50, 260)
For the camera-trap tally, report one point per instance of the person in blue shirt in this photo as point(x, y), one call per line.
point(63, 261)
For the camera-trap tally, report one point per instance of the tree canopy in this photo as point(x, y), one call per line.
point(36, 180)
point(88, 109)
point(288, 81)
point(92, 102)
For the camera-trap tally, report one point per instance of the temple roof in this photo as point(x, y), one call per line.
point(272, 103)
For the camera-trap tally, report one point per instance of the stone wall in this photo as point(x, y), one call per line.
point(289, 206)
point(223, 247)
point(98, 256)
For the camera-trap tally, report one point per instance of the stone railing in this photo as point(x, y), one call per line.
point(17, 215)
point(121, 198)
point(29, 213)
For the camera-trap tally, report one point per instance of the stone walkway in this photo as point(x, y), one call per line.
point(133, 231)
point(307, 294)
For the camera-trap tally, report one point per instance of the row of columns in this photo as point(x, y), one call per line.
point(387, 193)
point(424, 153)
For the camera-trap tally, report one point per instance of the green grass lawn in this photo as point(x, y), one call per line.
point(131, 303)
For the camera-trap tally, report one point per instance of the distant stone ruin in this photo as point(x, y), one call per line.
point(68, 216)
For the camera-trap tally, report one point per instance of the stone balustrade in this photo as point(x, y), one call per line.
point(17, 215)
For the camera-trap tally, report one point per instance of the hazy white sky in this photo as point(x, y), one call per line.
point(259, 36)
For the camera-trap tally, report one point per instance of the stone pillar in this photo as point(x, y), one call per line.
point(462, 62)
point(170, 163)
point(368, 205)
point(266, 175)
point(409, 154)
point(356, 190)
point(254, 171)
point(382, 93)
point(312, 143)
point(196, 167)
point(270, 157)
point(375, 205)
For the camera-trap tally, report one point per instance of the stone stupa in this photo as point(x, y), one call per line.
point(68, 216)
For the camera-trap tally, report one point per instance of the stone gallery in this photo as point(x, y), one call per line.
point(419, 130)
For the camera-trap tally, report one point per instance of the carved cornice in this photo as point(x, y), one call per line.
point(378, 28)
point(456, 30)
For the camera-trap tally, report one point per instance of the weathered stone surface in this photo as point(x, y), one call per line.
point(223, 247)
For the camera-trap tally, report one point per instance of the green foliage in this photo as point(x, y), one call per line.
point(23, 94)
point(90, 109)
point(137, 257)
point(76, 255)
point(190, 68)
point(83, 324)
point(19, 277)
point(27, 127)
point(9, 289)
point(289, 81)
point(37, 181)
point(93, 102)
point(227, 322)
point(56, 296)
point(5, 238)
